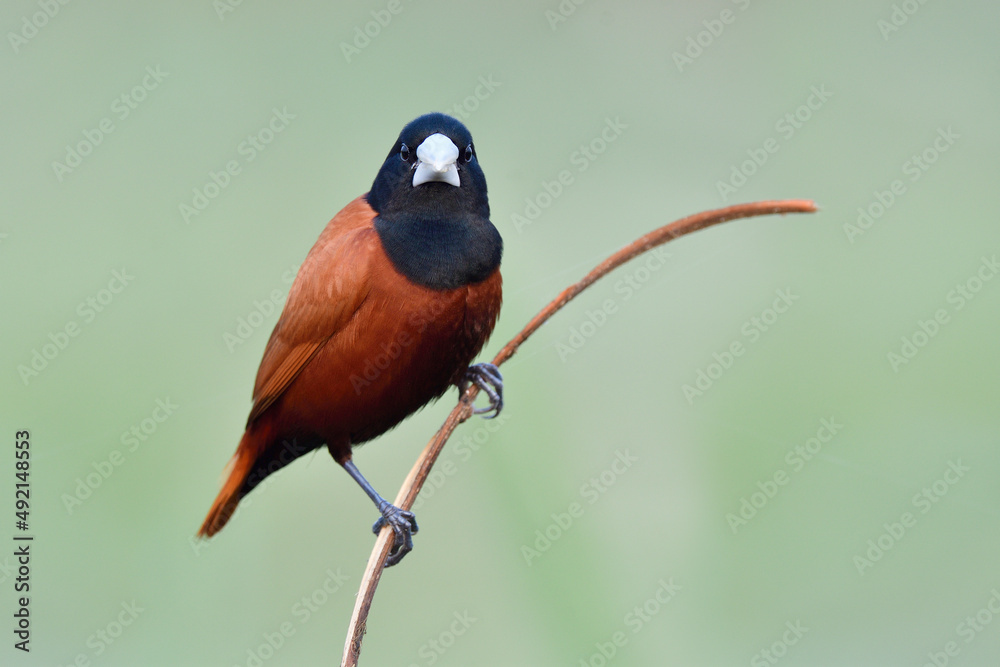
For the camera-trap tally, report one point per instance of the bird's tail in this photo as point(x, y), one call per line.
point(232, 490)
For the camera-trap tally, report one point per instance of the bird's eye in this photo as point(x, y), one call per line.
point(468, 152)
point(404, 153)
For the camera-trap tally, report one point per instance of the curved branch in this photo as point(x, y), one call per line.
point(418, 474)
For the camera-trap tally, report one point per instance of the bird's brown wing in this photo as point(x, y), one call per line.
point(331, 285)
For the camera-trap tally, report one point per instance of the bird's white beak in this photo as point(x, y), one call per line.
point(436, 161)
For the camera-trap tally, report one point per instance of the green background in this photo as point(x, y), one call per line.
point(619, 395)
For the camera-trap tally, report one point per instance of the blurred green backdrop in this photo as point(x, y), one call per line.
point(827, 496)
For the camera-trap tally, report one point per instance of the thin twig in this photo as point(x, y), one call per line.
point(415, 480)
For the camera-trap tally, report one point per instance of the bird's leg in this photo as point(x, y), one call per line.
point(403, 523)
point(487, 377)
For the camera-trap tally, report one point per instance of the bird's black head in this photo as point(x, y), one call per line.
point(432, 168)
point(431, 205)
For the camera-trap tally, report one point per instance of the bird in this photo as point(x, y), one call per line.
point(396, 298)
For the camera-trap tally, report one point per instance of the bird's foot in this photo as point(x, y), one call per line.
point(403, 525)
point(487, 377)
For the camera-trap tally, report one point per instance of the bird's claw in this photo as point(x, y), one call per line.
point(403, 525)
point(487, 377)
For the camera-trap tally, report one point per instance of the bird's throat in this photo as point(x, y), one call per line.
point(441, 253)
